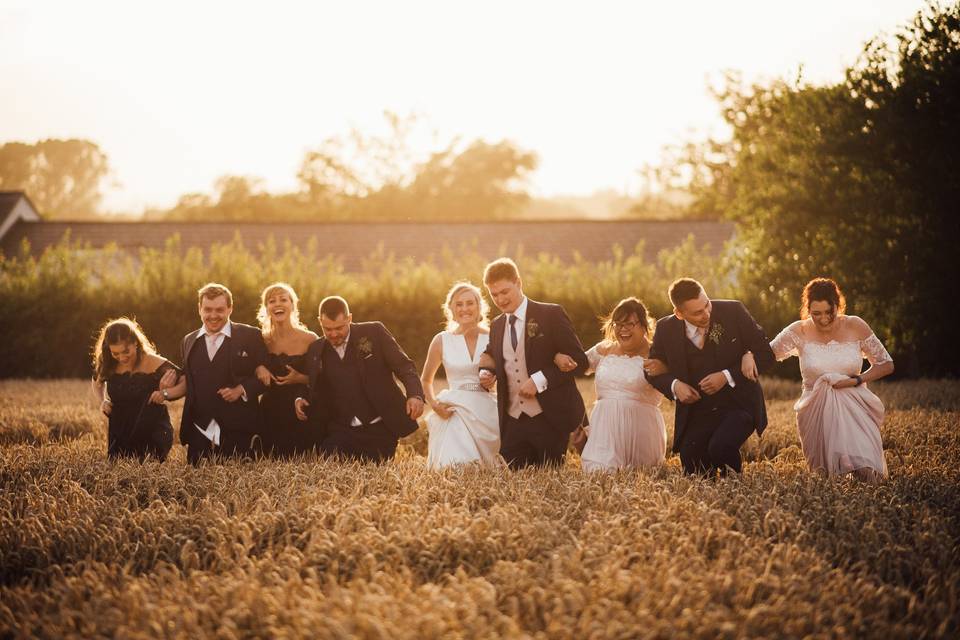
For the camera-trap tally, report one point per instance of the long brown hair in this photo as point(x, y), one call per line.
point(117, 331)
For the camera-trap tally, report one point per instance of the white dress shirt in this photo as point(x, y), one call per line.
point(521, 313)
point(698, 337)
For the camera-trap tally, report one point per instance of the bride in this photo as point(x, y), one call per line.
point(464, 424)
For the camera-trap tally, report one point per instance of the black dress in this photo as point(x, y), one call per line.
point(138, 428)
point(283, 434)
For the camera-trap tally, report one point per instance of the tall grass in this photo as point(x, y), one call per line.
point(320, 548)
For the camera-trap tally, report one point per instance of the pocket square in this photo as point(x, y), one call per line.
point(243, 354)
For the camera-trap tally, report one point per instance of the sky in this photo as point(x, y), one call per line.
point(178, 94)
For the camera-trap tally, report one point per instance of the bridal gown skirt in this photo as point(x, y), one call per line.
point(624, 433)
point(471, 434)
point(840, 428)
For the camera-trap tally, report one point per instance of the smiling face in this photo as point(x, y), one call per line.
point(279, 305)
point(696, 311)
point(336, 330)
point(506, 294)
point(465, 308)
point(629, 332)
point(125, 353)
point(215, 313)
point(823, 314)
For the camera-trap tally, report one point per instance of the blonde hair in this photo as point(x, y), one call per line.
point(117, 331)
point(457, 289)
point(266, 322)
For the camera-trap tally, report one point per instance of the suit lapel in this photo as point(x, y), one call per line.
point(496, 337)
point(530, 320)
point(681, 343)
point(191, 340)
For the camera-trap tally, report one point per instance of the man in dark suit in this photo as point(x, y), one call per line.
point(352, 387)
point(221, 412)
point(717, 408)
point(539, 404)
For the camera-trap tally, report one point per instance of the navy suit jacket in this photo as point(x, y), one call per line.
point(737, 332)
point(547, 332)
point(379, 363)
point(247, 352)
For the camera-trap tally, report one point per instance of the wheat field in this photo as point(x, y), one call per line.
point(323, 549)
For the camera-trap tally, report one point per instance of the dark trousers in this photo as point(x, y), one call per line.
point(232, 445)
point(712, 441)
point(527, 441)
point(366, 443)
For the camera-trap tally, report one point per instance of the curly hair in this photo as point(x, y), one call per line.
point(822, 290)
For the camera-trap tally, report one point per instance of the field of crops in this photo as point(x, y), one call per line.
point(316, 548)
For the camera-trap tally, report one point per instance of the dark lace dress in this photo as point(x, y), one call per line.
point(138, 428)
point(283, 434)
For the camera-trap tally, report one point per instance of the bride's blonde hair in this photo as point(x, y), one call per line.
point(457, 289)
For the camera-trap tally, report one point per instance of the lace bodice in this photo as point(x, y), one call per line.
point(818, 358)
point(461, 370)
point(621, 378)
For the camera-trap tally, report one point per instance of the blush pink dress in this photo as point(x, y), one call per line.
point(626, 427)
point(839, 428)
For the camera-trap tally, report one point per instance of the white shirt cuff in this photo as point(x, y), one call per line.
point(730, 381)
point(673, 387)
point(540, 380)
point(212, 432)
point(243, 393)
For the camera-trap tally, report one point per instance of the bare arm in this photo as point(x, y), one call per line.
point(430, 368)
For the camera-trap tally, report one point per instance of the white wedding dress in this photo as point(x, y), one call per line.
point(839, 428)
point(626, 426)
point(472, 433)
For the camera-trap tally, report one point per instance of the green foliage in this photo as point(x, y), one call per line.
point(62, 177)
point(858, 181)
point(54, 304)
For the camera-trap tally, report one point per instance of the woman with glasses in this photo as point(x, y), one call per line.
point(626, 428)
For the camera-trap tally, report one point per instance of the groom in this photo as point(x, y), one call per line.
point(352, 388)
point(717, 408)
point(539, 405)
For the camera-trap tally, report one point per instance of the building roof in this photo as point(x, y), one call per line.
point(354, 241)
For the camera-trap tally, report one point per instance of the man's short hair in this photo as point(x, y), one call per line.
point(684, 289)
point(213, 290)
point(501, 269)
point(332, 307)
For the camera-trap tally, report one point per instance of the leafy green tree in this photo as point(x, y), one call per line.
point(858, 181)
point(62, 177)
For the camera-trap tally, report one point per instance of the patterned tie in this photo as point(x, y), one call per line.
point(513, 331)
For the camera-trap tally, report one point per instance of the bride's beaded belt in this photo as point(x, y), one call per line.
point(471, 386)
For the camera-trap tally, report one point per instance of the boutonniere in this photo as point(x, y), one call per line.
point(716, 332)
point(533, 329)
point(365, 348)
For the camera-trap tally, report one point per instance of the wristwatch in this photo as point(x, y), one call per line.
point(166, 396)
point(859, 380)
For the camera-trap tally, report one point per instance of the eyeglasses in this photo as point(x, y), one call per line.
point(625, 325)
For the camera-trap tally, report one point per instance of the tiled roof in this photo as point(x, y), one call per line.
point(354, 241)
